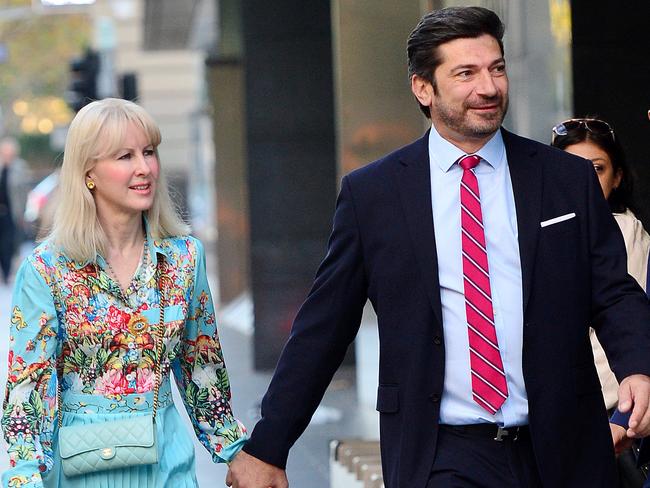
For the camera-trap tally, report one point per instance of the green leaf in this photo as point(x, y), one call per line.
point(191, 394)
point(30, 412)
point(25, 452)
point(101, 357)
point(37, 402)
point(202, 396)
point(150, 354)
point(79, 357)
point(230, 435)
point(222, 381)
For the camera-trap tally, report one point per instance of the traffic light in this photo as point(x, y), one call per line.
point(83, 80)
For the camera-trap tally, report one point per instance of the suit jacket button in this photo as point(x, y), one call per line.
point(437, 340)
point(434, 397)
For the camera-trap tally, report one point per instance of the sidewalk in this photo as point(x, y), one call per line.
point(339, 416)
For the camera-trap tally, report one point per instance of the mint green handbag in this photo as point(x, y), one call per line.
point(108, 445)
point(114, 444)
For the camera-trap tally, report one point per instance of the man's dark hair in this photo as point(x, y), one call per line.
point(444, 25)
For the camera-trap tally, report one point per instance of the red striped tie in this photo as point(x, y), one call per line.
point(489, 388)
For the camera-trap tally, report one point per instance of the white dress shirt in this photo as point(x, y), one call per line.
point(500, 221)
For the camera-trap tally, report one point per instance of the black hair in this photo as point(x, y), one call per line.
point(444, 25)
point(622, 197)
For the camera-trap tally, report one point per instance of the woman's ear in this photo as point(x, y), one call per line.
point(618, 178)
point(89, 180)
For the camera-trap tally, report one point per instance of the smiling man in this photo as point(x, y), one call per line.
point(486, 257)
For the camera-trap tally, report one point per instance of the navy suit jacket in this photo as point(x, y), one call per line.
point(382, 247)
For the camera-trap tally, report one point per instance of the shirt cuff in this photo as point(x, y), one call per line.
point(227, 454)
point(25, 475)
point(620, 418)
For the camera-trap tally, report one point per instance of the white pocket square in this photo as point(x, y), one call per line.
point(556, 220)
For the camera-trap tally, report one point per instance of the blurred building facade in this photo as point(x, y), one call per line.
point(322, 91)
point(264, 106)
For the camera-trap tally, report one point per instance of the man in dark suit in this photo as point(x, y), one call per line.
point(486, 256)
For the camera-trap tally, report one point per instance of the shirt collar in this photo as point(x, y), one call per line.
point(444, 154)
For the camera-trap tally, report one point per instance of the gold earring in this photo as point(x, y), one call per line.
point(90, 184)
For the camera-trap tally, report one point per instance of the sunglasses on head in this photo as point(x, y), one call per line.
point(595, 126)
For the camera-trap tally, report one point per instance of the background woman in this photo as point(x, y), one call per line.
point(86, 302)
point(594, 139)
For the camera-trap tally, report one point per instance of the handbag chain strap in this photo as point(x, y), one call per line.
point(158, 334)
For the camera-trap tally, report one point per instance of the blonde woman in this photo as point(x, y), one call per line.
point(86, 324)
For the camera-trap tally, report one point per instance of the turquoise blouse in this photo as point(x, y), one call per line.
point(105, 343)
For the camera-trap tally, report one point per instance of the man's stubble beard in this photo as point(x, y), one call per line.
point(457, 122)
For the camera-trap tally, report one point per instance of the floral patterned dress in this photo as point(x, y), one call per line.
point(74, 315)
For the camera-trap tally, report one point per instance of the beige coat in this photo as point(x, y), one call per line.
point(637, 245)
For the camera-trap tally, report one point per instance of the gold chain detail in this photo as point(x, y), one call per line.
point(159, 342)
point(58, 390)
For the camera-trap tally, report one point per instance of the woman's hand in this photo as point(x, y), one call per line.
point(620, 439)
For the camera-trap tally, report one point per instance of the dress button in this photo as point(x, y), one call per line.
point(434, 397)
point(437, 340)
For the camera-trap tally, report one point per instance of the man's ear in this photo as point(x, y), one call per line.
point(422, 89)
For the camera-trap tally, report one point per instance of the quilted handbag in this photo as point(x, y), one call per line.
point(108, 445)
point(114, 444)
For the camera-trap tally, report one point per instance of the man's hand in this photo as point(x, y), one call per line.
point(621, 441)
point(247, 471)
point(634, 394)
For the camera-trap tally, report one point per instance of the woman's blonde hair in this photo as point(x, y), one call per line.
point(98, 131)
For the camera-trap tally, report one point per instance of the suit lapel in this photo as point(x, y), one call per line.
point(414, 183)
point(527, 186)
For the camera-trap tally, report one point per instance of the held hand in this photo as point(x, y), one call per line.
point(634, 394)
point(247, 471)
point(621, 441)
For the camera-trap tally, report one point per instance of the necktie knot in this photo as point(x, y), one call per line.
point(469, 162)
